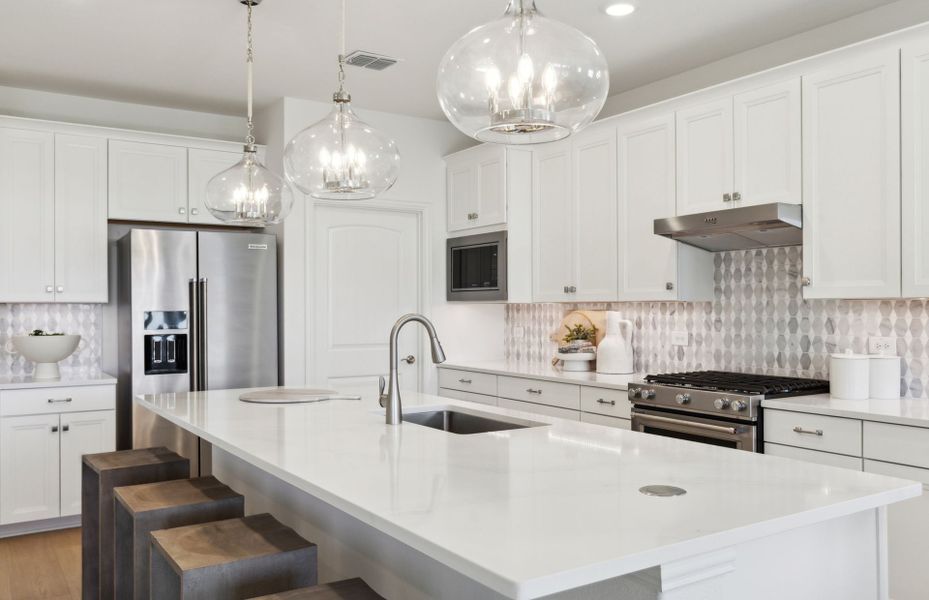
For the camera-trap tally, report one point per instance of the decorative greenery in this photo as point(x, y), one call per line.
point(580, 333)
point(41, 333)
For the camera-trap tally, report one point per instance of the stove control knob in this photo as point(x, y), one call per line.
point(721, 403)
point(635, 392)
point(682, 399)
point(739, 405)
point(648, 394)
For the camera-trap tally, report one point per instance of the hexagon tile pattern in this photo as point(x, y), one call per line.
point(758, 322)
point(84, 319)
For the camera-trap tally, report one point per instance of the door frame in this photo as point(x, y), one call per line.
point(422, 213)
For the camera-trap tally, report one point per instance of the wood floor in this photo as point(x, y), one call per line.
point(42, 566)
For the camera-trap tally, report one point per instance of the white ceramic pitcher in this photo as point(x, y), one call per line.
point(614, 354)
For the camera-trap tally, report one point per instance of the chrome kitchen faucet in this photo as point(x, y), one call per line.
point(391, 400)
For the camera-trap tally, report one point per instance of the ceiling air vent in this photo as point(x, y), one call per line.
point(370, 60)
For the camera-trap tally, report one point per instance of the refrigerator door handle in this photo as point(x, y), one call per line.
point(194, 324)
point(202, 333)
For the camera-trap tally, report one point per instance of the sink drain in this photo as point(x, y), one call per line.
point(663, 491)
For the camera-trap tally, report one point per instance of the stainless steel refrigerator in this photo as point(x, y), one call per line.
point(197, 311)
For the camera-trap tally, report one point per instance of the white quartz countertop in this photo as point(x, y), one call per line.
point(15, 382)
point(526, 512)
point(545, 372)
point(902, 411)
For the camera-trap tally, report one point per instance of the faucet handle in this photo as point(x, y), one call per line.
point(382, 397)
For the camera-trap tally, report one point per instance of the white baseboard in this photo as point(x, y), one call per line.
point(28, 527)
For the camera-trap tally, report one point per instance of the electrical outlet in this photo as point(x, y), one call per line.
point(680, 338)
point(882, 345)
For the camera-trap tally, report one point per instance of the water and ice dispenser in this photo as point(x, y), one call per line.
point(165, 351)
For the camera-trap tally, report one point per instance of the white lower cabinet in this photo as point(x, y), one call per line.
point(814, 456)
point(44, 432)
point(606, 421)
point(468, 396)
point(541, 409)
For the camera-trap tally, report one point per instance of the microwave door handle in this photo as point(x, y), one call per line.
point(194, 324)
point(688, 424)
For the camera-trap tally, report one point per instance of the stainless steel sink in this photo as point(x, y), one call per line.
point(464, 423)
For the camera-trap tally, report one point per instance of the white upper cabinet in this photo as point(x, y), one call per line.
point(767, 149)
point(851, 185)
point(704, 157)
point(80, 218)
point(148, 182)
point(595, 209)
point(202, 165)
point(915, 144)
point(476, 182)
point(652, 267)
point(27, 228)
point(552, 223)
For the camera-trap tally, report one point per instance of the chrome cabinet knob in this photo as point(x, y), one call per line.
point(669, 286)
point(60, 289)
point(736, 196)
point(721, 403)
point(682, 399)
point(739, 405)
point(806, 281)
point(49, 289)
point(195, 211)
point(727, 197)
point(182, 211)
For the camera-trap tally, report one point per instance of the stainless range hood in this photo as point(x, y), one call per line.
point(762, 226)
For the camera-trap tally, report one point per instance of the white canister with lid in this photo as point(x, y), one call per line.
point(885, 376)
point(850, 376)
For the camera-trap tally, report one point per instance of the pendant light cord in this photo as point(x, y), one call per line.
point(342, 50)
point(249, 61)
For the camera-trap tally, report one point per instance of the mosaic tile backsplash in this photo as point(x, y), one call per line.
point(758, 322)
point(84, 319)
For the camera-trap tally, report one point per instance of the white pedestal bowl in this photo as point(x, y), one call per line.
point(45, 351)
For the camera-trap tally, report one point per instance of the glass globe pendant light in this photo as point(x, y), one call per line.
point(342, 157)
point(249, 193)
point(522, 79)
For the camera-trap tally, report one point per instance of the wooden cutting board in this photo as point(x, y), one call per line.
point(587, 318)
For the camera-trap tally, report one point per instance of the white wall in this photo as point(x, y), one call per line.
point(36, 104)
point(857, 28)
point(467, 332)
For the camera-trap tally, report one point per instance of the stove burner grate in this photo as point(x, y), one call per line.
point(742, 383)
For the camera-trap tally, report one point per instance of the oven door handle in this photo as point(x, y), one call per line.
point(678, 422)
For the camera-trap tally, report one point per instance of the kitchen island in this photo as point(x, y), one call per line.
point(554, 510)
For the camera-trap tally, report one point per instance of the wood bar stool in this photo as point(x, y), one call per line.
point(100, 473)
point(141, 509)
point(236, 558)
point(349, 589)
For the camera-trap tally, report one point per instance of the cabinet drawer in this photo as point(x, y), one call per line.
point(816, 432)
point(897, 444)
point(563, 395)
point(468, 396)
point(608, 421)
point(468, 381)
point(604, 401)
point(539, 409)
point(36, 401)
point(898, 471)
point(813, 456)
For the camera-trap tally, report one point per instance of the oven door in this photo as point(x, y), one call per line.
point(738, 436)
point(476, 268)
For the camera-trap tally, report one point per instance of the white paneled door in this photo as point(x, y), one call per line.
point(851, 178)
point(29, 470)
point(368, 265)
point(915, 144)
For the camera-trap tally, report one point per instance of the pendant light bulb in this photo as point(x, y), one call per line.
point(341, 157)
point(522, 79)
point(248, 193)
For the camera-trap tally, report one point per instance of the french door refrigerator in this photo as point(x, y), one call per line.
point(197, 310)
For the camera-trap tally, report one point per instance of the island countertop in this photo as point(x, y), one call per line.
point(526, 512)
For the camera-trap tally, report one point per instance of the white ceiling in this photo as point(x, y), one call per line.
point(189, 53)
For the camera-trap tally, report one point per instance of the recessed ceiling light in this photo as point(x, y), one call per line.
point(620, 9)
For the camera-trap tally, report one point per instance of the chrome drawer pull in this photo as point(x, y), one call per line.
point(532, 391)
point(58, 401)
point(602, 401)
point(799, 429)
point(464, 381)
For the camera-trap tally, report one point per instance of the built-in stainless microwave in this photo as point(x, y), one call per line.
point(476, 268)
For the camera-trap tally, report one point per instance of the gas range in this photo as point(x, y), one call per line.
point(722, 394)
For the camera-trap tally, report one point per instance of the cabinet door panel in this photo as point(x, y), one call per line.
point(80, 219)
point(148, 182)
point(202, 166)
point(27, 228)
point(553, 223)
point(29, 468)
point(704, 157)
point(82, 433)
point(767, 144)
point(595, 208)
point(851, 156)
point(646, 193)
point(491, 183)
point(915, 144)
point(461, 186)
